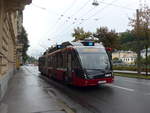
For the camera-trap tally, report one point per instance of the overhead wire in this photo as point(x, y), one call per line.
point(65, 10)
point(94, 13)
point(69, 7)
point(90, 16)
point(77, 11)
point(45, 9)
point(84, 13)
point(59, 18)
point(107, 4)
point(97, 12)
point(42, 8)
point(116, 5)
point(73, 14)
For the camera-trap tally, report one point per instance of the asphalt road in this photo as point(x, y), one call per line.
point(125, 95)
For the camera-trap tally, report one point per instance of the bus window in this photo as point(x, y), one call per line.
point(94, 58)
point(49, 61)
point(76, 66)
point(60, 60)
point(75, 61)
point(95, 61)
point(65, 60)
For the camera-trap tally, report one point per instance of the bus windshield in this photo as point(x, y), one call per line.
point(95, 60)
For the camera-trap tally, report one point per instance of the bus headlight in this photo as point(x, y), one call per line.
point(85, 76)
point(108, 75)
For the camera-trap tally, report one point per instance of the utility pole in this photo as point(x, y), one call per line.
point(138, 42)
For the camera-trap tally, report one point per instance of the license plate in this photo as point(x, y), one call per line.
point(101, 82)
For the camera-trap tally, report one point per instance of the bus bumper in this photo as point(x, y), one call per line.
point(92, 82)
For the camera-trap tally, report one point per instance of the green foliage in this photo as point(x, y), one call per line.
point(80, 34)
point(108, 38)
point(115, 58)
point(127, 40)
point(117, 61)
point(141, 25)
point(143, 60)
point(25, 42)
point(130, 68)
point(31, 60)
point(132, 75)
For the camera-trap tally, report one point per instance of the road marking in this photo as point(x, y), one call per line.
point(120, 87)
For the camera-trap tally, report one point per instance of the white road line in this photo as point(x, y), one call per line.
point(120, 87)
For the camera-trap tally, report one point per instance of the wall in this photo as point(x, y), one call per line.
point(9, 32)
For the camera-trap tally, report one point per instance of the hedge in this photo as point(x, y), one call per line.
point(130, 68)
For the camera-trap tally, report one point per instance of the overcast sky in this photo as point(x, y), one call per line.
point(48, 22)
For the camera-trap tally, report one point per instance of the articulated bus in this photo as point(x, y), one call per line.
point(78, 63)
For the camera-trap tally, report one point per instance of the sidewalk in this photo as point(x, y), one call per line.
point(27, 94)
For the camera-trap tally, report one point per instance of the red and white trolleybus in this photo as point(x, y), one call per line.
point(78, 63)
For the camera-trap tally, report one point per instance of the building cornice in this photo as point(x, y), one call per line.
point(13, 5)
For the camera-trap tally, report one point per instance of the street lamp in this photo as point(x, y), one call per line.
point(95, 3)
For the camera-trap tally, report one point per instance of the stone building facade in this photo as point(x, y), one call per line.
point(10, 28)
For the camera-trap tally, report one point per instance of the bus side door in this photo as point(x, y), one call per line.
point(69, 66)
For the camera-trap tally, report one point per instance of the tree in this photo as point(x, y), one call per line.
point(24, 40)
point(32, 60)
point(115, 58)
point(108, 38)
point(145, 17)
point(141, 30)
point(126, 40)
point(80, 34)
